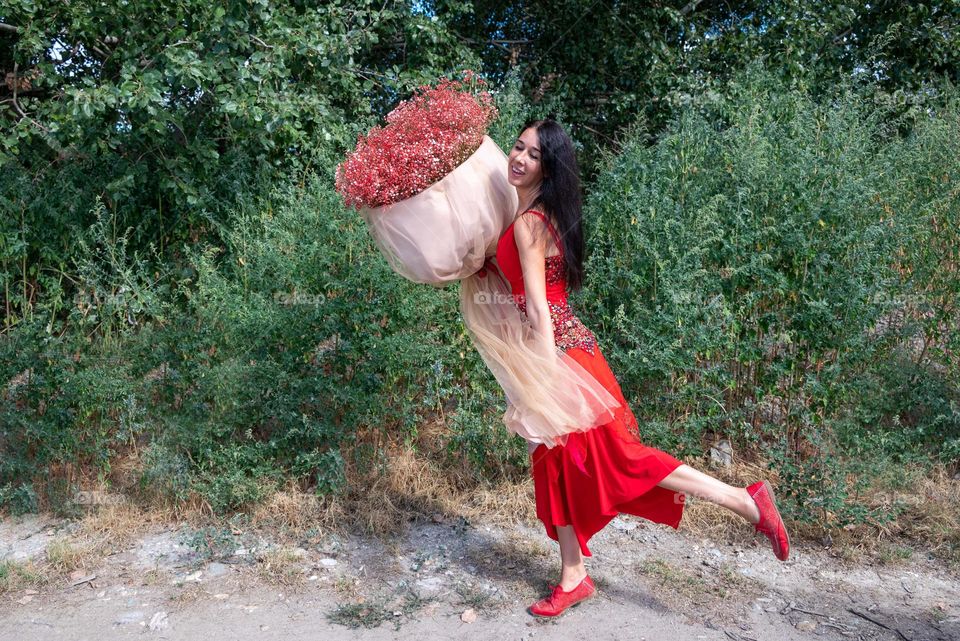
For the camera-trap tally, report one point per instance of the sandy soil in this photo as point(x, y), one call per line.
point(653, 583)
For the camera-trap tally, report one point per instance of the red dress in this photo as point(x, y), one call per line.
point(603, 471)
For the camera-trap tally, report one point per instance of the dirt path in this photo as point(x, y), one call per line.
point(654, 583)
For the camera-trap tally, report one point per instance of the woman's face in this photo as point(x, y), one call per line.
point(523, 163)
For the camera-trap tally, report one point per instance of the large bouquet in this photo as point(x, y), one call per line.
point(431, 185)
point(433, 190)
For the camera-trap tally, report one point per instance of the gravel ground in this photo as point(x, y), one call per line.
point(449, 578)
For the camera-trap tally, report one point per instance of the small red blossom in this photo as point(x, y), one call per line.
point(425, 138)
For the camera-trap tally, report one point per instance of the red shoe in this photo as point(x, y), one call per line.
point(559, 600)
point(770, 522)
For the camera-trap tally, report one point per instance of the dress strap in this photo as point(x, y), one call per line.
point(556, 236)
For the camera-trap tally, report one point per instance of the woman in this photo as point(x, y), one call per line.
point(581, 485)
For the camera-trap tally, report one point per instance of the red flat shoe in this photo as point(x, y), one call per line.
point(770, 522)
point(558, 601)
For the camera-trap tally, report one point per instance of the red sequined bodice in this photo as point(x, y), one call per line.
point(568, 330)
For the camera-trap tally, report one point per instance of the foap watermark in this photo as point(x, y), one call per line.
point(495, 298)
point(96, 497)
point(298, 298)
point(687, 497)
point(899, 299)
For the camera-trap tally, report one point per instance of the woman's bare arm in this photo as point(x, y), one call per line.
point(532, 261)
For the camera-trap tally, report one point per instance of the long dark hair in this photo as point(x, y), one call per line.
point(560, 193)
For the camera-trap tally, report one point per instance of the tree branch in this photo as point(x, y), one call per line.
point(9, 28)
point(691, 6)
point(29, 93)
point(260, 42)
point(16, 105)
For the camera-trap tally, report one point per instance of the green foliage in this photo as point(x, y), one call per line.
point(291, 349)
point(513, 110)
point(604, 64)
point(306, 341)
point(772, 249)
point(20, 499)
point(478, 436)
point(169, 111)
point(745, 267)
point(67, 404)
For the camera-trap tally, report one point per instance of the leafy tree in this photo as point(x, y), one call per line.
point(168, 109)
point(605, 63)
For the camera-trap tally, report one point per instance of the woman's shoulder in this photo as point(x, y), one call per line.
point(538, 213)
point(536, 209)
point(532, 231)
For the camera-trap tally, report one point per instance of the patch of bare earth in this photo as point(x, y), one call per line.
point(420, 552)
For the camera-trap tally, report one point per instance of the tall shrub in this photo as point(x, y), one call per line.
point(740, 267)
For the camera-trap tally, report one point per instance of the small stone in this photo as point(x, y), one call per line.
point(29, 591)
point(221, 595)
point(328, 563)
point(25, 599)
point(722, 453)
point(159, 621)
point(469, 615)
point(806, 626)
point(430, 586)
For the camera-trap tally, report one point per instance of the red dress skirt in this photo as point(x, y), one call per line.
point(603, 471)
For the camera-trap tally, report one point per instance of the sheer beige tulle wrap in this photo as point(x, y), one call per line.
point(445, 233)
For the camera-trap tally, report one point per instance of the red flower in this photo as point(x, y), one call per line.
point(425, 138)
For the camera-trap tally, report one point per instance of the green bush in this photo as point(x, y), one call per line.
point(773, 269)
point(740, 267)
point(285, 352)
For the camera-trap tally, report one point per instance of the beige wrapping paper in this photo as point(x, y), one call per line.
point(549, 393)
point(444, 234)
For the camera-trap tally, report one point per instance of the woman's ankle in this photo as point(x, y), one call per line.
point(752, 511)
point(571, 577)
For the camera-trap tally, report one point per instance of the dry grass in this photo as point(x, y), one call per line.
point(115, 527)
point(931, 520)
point(16, 575)
point(418, 483)
point(64, 555)
point(102, 530)
point(413, 486)
point(191, 592)
point(298, 513)
point(281, 566)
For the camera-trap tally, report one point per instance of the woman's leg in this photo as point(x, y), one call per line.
point(573, 568)
point(690, 481)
